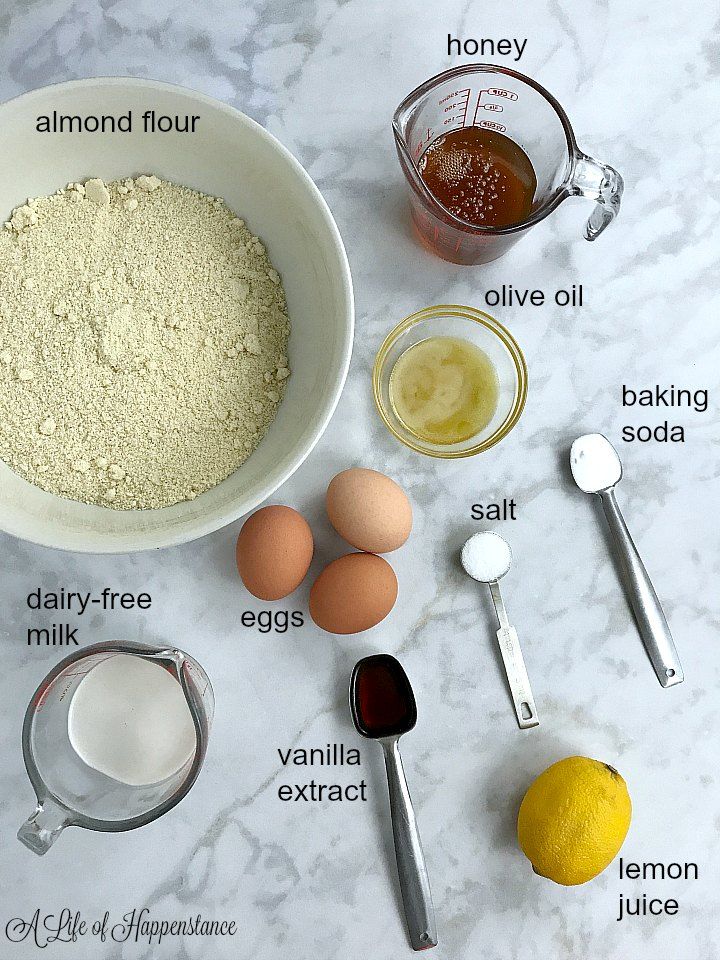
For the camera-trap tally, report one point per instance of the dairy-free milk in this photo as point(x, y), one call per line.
point(130, 720)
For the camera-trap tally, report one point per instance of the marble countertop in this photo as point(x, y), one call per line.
point(639, 82)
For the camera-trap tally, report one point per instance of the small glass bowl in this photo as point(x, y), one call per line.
point(487, 334)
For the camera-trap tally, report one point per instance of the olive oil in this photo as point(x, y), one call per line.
point(444, 390)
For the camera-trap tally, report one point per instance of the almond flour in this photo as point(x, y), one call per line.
point(143, 342)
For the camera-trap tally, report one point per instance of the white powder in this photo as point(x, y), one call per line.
point(143, 342)
point(594, 463)
point(486, 557)
point(130, 720)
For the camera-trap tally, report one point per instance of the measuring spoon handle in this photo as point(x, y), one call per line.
point(514, 663)
point(518, 679)
point(412, 872)
point(649, 614)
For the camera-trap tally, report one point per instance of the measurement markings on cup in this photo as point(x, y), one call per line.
point(456, 105)
point(495, 107)
point(491, 125)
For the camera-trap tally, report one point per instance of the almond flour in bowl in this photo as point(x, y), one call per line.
point(143, 342)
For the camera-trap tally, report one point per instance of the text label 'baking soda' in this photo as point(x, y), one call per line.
point(660, 397)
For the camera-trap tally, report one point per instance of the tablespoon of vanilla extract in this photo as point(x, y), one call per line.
point(383, 708)
point(486, 557)
point(596, 468)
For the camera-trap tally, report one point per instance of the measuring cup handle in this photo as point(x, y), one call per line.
point(41, 830)
point(600, 182)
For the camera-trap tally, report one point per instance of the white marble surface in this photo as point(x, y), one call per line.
point(639, 82)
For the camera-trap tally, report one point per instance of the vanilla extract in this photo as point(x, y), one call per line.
point(314, 792)
point(331, 755)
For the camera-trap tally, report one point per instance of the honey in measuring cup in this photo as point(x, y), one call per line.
point(480, 175)
point(489, 153)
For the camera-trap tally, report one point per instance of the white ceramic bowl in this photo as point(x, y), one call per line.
point(229, 156)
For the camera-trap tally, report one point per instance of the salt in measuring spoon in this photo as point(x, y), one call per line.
point(596, 468)
point(383, 709)
point(486, 557)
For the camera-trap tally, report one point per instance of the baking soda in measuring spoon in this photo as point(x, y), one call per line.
point(129, 719)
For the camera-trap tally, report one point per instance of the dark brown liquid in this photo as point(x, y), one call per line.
point(383, 701)
point(481, 176)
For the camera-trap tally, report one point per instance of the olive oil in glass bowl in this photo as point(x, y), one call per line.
point(450, 381)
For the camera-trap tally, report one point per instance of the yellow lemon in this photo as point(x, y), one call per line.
point(574, 819)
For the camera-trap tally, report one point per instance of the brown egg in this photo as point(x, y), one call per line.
point(274, 550)
point(353, 593)
point(369, 510)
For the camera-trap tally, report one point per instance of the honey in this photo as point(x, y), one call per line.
point(444, 390)
point(481, 176)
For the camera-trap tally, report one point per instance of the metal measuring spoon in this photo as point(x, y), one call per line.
point(486, 557)
point(383, 709)
point(596, 468)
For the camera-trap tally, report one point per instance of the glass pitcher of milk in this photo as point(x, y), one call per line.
point(113, 738)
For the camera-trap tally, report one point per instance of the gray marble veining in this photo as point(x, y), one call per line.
point(639, 82)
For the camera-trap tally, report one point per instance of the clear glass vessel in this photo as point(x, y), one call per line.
point(502, 100)
point(452, 320)
point(72, 794)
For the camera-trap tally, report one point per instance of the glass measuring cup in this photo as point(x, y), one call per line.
point(72, 794)
point(504, 101)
